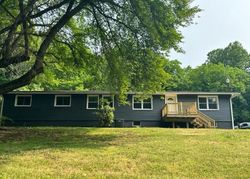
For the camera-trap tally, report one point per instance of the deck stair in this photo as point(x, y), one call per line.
point(187, 112)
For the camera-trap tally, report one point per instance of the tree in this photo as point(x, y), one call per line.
point(178, 77)
point(213, 77)
point(241, 107)
point(233, 55)
point(107, 29)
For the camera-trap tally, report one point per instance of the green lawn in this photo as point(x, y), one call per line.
point(135, 152)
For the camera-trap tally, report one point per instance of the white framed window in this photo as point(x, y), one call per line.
point(23, 100)
point(92, 101)
point(142, 103)
point(109, 99)
point(62, 101)
point(208, 102)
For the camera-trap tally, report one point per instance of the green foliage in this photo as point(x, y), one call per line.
point(233, 55)
point(241, 106)
point(212, 77)
point(105, 114)
point(4, 119)
point(178, 76)
point(116, 46)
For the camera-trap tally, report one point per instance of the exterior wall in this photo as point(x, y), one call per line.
point(221, 116)
point(147, 117)
point(43, 112)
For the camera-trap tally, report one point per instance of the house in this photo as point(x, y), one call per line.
point(167, 109)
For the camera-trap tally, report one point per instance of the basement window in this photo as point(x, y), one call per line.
point(62, 101)
point(137, 123)
point(208, 102)
point(23, 100)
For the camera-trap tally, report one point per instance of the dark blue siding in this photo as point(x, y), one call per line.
point(127, 113)
point(43, 112)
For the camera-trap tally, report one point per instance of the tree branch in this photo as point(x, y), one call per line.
point(38, 66)
point(56, 6)
point(13, 60)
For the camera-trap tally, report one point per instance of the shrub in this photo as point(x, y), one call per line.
point(105, 114)
point(3, 119)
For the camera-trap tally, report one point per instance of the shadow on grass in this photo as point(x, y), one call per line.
point(17, 140)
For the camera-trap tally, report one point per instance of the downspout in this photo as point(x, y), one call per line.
point(1, 111)
point(231, 109)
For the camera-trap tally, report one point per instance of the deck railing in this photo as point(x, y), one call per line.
point(180, 108)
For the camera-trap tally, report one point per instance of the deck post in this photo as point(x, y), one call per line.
point(187, 124)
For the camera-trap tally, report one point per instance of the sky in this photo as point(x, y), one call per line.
point(219, 23)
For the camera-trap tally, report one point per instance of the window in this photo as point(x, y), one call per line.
point(109, 99)
point(142, 104)
point(92, 101)
point(202, 103)
point(137, 123)
point(23, 100)
point(208, 103)
point(244, 125)
point(62, 101)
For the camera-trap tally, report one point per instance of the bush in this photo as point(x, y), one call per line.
point(105, 115)
point(3, 119)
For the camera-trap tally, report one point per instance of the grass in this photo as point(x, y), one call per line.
point(124, 153)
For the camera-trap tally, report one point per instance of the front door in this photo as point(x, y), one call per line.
point(171, 101)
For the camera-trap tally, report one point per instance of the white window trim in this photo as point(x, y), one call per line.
point(16, 97)
point(142, 109)
point(56, 105)
point(113, 99)
point(87, 105)
point(207, 109)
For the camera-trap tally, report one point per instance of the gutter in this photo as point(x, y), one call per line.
point(1, 110)
point(231, 107)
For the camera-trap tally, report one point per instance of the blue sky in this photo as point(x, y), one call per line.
point(220, 22)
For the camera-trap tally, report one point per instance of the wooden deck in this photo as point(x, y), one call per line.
point(186, 112)
point(180, 109)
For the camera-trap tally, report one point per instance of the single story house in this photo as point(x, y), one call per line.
point(78, 108)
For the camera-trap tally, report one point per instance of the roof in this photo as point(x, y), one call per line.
point(108, 92)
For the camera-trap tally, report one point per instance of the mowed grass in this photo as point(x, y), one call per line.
point(124, 153)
